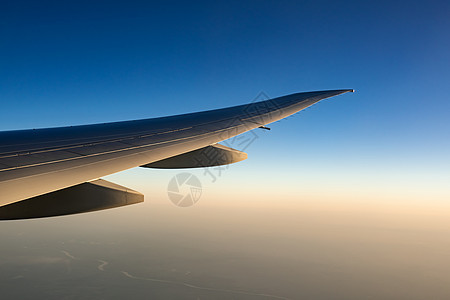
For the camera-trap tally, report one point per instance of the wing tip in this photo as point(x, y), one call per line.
point(343, 91)
point(347, 90)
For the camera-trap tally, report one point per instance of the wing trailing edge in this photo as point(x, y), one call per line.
point(86, 197)
point(209, 156)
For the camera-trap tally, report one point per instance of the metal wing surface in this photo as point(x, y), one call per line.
point(41, 161)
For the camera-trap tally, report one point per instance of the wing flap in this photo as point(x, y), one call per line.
point(209, 156)
point(86, 197)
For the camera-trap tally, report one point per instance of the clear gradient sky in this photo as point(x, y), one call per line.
point(378, 158)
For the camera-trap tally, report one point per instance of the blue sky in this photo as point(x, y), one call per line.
point(96, 61)
point(346, 199)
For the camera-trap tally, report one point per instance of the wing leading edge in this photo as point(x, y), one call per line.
point(37, 162)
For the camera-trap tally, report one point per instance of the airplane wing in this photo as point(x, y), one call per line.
point(56, 171)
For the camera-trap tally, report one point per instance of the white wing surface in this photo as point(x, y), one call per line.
point(42, 161)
